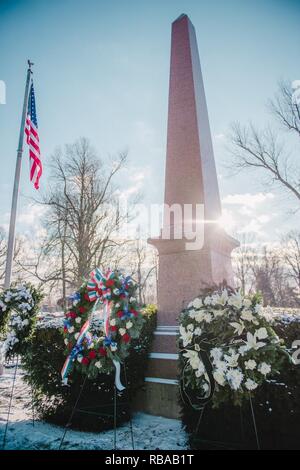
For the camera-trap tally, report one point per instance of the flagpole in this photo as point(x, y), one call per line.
point(14, 204)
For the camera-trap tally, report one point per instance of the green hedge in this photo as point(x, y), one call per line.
point(53, 402)
point(276, 407)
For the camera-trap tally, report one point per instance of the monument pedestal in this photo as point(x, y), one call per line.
point(182, 276)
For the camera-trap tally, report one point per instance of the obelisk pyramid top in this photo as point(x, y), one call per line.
point(180, 17)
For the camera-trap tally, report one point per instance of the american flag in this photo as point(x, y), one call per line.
point(32, 138)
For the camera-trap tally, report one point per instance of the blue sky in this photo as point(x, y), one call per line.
point(102, 70)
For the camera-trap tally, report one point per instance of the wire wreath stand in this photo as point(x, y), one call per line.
point(201, 402)
point(14, 362)
point(77, 409)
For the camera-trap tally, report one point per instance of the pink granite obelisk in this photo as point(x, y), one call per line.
point(190, 179)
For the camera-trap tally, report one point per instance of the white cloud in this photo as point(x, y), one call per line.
point(219, 136)
point(248, 213)
point(31, 215)
point(248, 200)
point(139, 175)
point(143, 132)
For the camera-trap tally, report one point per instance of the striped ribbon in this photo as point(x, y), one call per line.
point(84, 333)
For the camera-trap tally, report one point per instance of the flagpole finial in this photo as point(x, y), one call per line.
point(29, 64)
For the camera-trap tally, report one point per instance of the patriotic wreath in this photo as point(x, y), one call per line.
point(100, 325)
point(228, 347)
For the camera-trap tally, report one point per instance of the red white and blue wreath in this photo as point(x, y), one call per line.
point(99, 327)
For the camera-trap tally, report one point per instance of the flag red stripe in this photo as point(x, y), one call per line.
point(32, 139)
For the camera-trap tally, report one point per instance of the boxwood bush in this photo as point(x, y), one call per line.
point(53, 402)
point(276, 408)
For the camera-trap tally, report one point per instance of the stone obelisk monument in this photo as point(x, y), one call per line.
point(190, 180)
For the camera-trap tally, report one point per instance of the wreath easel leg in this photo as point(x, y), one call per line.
point(129, 407)
point(115, 417)
point(254, 423)
point(69, 422)
point(10, 403)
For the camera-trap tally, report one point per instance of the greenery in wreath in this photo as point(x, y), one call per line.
point(97, 341)
point(19, 306)
point(243, 349)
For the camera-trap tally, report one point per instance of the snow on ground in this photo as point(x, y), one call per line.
point(149, 432)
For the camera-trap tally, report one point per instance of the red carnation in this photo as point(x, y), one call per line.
point(113, 328)
point(86, 296)
point(134, 312)
point(71, 315)
point(81, 309)
point(92, 354)
point(102, 351)
point(120, 313)
point(85, 361)
point(110, 283)
point(126, 338)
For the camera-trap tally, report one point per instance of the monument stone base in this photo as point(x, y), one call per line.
point(159, 399)
point(183, 275)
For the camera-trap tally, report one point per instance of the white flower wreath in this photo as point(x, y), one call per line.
point(18, 309)
point(242, 347)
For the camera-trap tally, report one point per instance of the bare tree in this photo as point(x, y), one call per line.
point(286, 108)
point(272, 277)
point(144, 270)
point(3, 250)
point(291, 256)
point(263, 150)
point(242, 264)
point(3, 254)
point(82, 219)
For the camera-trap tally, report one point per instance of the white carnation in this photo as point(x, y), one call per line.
point(197, 303)
point(236, 300)
point(262, 333)
point(208, 317)
point(264, 368)
point(199, 317)
point(232, 360)
point(247, 303)
point(200, 371)
point(247, 315)
point(198, 331)
point(251, 364)
point(219, 377)
point(250, 384)
point(216, 353)
point(208, 300)
point(234, 378)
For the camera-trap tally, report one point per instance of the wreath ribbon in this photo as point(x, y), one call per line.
point(84, 333)
point(98, 290)
point(201, 401)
